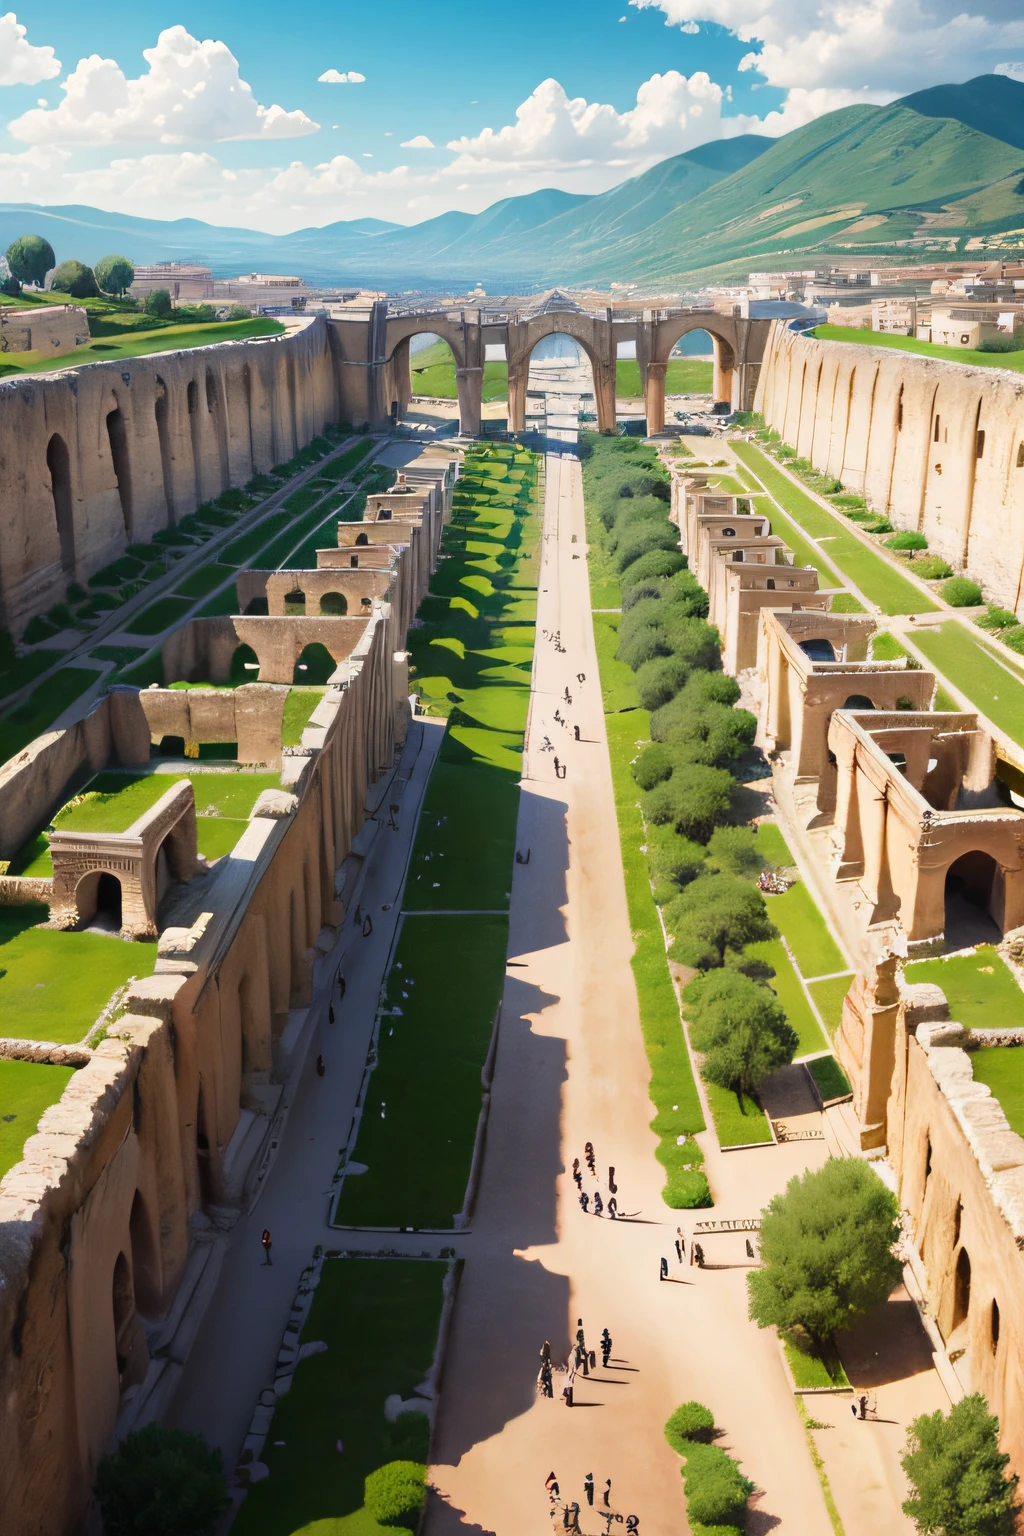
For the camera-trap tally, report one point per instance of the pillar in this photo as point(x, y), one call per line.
point(721, 386)
point(604, 395)
point(518, 376)
point(654, 397)
point(470, 383)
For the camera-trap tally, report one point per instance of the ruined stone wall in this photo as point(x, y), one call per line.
point(937, 446)
point(102, 456)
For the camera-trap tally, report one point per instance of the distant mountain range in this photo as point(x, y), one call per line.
point(940, 171)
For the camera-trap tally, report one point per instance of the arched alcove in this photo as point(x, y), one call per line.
point(145, 1259)
point(117, 436)
point(257, 606)
point(974, 900)
point(362, 538)
point(858, 701)
point(295, 603)
point(58, 463)
point(245, 665)
point(818, 650)
point(315, 666)
point(129, 1339)
point(161, 411)
point(98, 900)
point(334, 604)
point(961, 1289)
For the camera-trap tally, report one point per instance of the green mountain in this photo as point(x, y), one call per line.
point(992, 104)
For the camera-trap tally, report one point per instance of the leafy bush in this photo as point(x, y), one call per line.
point(75, 279)
point(741, 1029)
point(659, 563)
point(715, 735)
point(641, 540)
point(1002, 344)
point(908, 539)
point(684, 591)
point(695, 800)
point(826, 1249)
point(639, 591)
point(691, 1421)
point(958, 1473)
point(395, 1493)
point(638, 510)
point(660, 679)
point(161, 1482)
point(716, 913)
point(30, 258)
point(114, 274)
point(158, 303)
point(932, 568)
point(960, 592)
point(997, 618)
point(716, 1490)
point(654, 764)
point(734, 851)
point(673, 859)
point(38, 629)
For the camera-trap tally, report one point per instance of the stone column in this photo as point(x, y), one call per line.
point(604, 395)
point(654, 397)
point(721, 387)
point(518, 375)
point(470, 382)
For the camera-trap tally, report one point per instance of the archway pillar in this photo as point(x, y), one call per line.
point(518, 377)
point(470, 384)
point(604, 393)
point(721, 386)
point(654, 397)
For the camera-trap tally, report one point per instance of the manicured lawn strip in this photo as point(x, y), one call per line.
point(618, 682)
point(828, 996)
point(796, 915)
point(447, 980)
point(969, 664)
point(23, 669)
point(42, 707)
point(786, 986)
point(981, 989)
point(171, 338)
point(804, 552)
point(199, 582)
point(120, 655)
point(739, 1121)
point(247, 545)
point(298, 707)
point(811, 1370)
point(26, 1089)
point(379, 1319)
point(57, 984)
point(159, 616)
point(684, 376)
point(121, 798)
point(1001, 1068)
point(465, 840)
point(872, 573)
point(829, 1077)
point(773, 845)
point(967, 355)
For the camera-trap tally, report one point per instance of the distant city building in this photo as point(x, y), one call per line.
point(186, 282)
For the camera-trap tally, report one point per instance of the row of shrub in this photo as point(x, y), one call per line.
point(702, 865)
point(715, 1488)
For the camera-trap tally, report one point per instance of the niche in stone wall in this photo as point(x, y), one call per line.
point(58, 463)
point(314, 666)
point(117, 435)
point(164, 438)
point(334, 604)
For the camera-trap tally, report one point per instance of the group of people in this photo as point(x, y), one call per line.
point(546, 744)
point(571, 1510)
point(580, 1359)
point(595, 1202)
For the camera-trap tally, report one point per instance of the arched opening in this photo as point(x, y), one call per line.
point(145, 1261)
point(245, 665)
point(164, 439)
point(961, 1289)
point(691, 365)
point(117, 435)
point(818, 650)
point(129, 1340)
point(315, 666)
point(559, 364)
point(994, 1325)
point(211, 393)
point(431, 369)
point(366, 602)
point(334, 604)
point(295, 603)
point(858, 701)
point(362, 539)
point(770, 584)
point(98, 900)
point(206, 1190)
point(195, 436)
point(1020, 455)
point(257, 606)
point(384, 515)
point(974, 900)
point(353, 561)
point(728, 533)
point(58, 463)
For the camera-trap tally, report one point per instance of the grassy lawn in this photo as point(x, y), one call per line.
point(203, 580)
point(786, 986)
point(618, 681)
point(684, 376)
point(170, 338)
point(804, 552)
point(26, 1089)
point(159, 616)
point(796, 915)
point(42, 707)
point(739, 1121)
point(298, 707)
point(433, 373)
point(465, 841)
point(828, 996)
point(872, 573)
point(379, 1320)
point(55, 985)
point(970, 664)
point(446, 980)
point(966, 355)
point(1001, 1068)
point(981, 989)
point(773, 845)
point(809, 1369)
point(829, 1077)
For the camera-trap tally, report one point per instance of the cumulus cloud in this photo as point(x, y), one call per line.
point(341, 77)
point(21, 63)
point(419, 142)
point(894, 45)
point(1014, 70)
point(192, 93)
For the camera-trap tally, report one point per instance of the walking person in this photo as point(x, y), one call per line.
point(598, 1203)
point(584, 1201)
point(606, 1349)
point(567, 1390)
point(581, 1338)
point(577, 1173)
point(267, 1242)
point(546, 1384)
point(679, 1250)
point(557, 773)
point(545, 1352)
point(321, 1066)
point(574, 1520)
point(611, 1180)
point(551, 1484)
point(577, 730)
point(613, 1207)
point(581, 677)
point(588, 1488)
point(588, 1153)
point(663, 1272)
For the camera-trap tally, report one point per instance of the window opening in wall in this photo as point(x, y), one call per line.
point(334, 603)
point(737, 554)
point(899, 411)
point(361, 538)
point(957, 1219)
point(367, 602)
point(859, 701)
point(353, 561)
point(118, 438)
point(962, 1288)
point(1020, 456)
point(928, 1159)
point(58, 463)
point(295, 602)
point(818, 650)
point(728, 533)
point(192, 396)
point(937, 421)
point(979, 445)
point(384, 514)
point(211, 392)
point(995, 1325)
point(770, 583)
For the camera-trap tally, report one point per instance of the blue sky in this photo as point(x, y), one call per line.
point(228, 119)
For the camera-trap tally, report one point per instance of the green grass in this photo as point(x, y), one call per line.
point(1001, 1068)
point(170, 338)
point(121, 655)
point(885, 647)
point(618, 681)
point(379, 1319)
point(199, 582)
point(427, 1079)
point(773, 845)
point(829, 1077)
point(828, 997)
point(468, 858)
point(874, 575)
point(981, 989)
point(26, 1089)
point(684, 376)
point(809, 1369)
point(57, 984)
point(20, 670)
point(806, 553)
point(966, 355)
point(969, 663)
point(42, 707)
point(433, 373)
point(797, 916)
point(159, 616)
point(242, 549)
point(298, 707)
point(786, 986)
point(739, 1121)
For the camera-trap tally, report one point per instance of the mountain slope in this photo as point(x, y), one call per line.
point(992, 104)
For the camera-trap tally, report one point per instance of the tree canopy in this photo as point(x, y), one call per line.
point(30, 257)
point(740, 1028)
point(114, 274)
point(76, 279)
point(161, 1482)
point(716, 913)
point(957, 1472)
point(159, 303)
point(826, 1246)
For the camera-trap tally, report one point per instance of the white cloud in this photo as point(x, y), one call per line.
point(192, 93)
point(1014, 70)
point(897, 45)
point(342, 77)
point(419, 142)
point(21, 63)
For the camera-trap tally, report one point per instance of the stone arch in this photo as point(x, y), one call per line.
point(258, 606)
point(215, 410)
point(295, 602)
point(974, 893)
point(961, 1289)
point(196, 437)
point(117, 437)
point(146, 1275)
point(858, 701)
point(593, 335)
point(334, 604)
point(58, 462)
point(244, 665)
point(315, 666)
point(362, 539)
point(99, 895)
point(130, 1351)
point(722, 331)
point(819, 649)
point(163, 432)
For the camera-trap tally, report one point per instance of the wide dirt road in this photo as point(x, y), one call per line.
point(570, 1069)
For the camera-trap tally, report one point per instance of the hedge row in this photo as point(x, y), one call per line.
point(716, 1490)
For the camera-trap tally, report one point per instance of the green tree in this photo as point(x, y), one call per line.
point(161, 1482)
point(716, 913)
point(395, 1493)
point(239, 312)
point(740, 1029)
point(76, 279)
point(694, 800)
point(957, 1472)
point(158, 303)
point(115, 274)
point(826, 1246)
point(30, 258)
point(734, 850)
